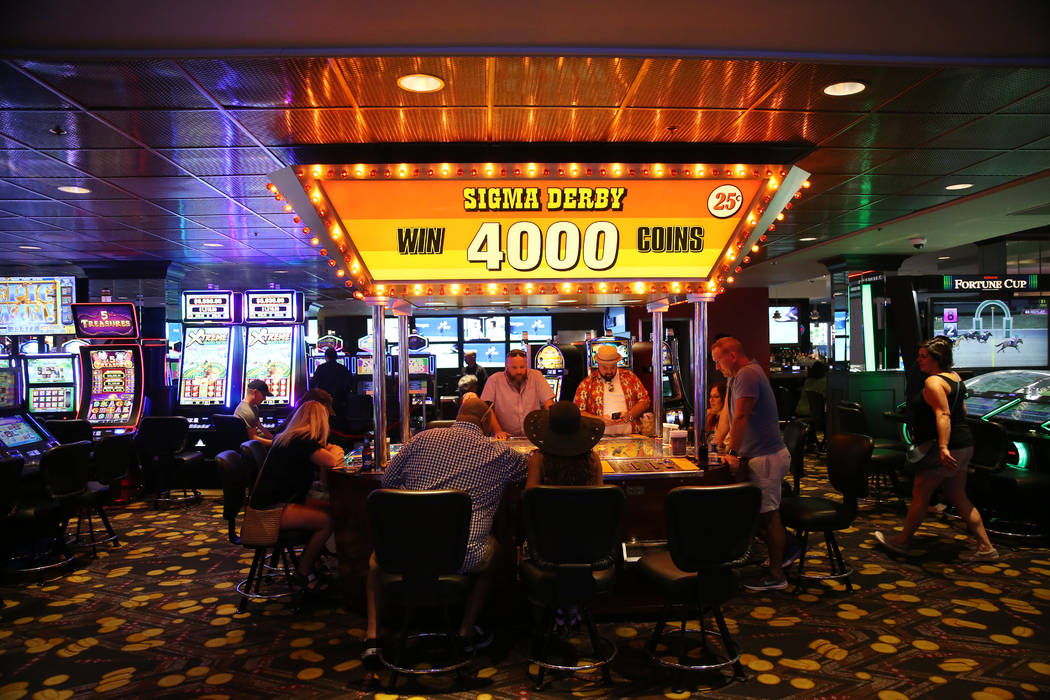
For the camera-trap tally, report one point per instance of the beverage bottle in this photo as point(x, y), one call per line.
point(713, 458)
point(366, 456)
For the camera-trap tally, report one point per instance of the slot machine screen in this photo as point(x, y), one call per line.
point(49, 370)
point(112, 387)
point(37, 305)
point(363, 364)
point(8, 387)
point(205, 360)
point(420, 364)
point(268, 356)
point(538, 327)
point(621, 346)
point(549, 357)
point(489, 354)
point(15, 432)
point(44, 399)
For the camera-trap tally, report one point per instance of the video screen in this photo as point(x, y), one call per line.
point(389, 328)
point(538, 327)
point(549, 357)
point(15, 432)
point(44, 399)
point(977, 406)
point(818, 334)
point(1027, 412)
point(420, 364)
point(438, 328)
point(446, 355)
point(783, 325)
point(37, 305)
point(49, 370)
point(268, 356)
point(489, 354)
point(616, 320)
point(8, 387)
point(622, 346)
point(994, 332)
point(493, 328)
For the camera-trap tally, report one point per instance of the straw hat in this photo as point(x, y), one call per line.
point(607, 353)
point(562, 431)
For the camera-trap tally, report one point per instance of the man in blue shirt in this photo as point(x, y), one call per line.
point(750, 430)
point(459, 457)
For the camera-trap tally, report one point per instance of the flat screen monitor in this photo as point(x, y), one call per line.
point(783, 325)
point(389, 328)
point(49, 370)
point(210, 306)
point(438, 328)
point(489, 354)
point(16, 431)
point(37, 305)
point(491, 328)
point(616, 320)
point(269, 356)
point(818, 334)
point(538, 327)
point(994, 332)
point(622, 345)
point(51, 399)
point(446, 355)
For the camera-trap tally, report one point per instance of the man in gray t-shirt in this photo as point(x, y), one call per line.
point(248, 410)
point(749, 427)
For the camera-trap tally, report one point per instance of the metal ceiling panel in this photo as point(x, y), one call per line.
point(700, 83)
point(539, 124)
point(224, 161)
point(539, 81)
point(210, 205)
point(49, 188)
point(411, 125)
point(40, 223)
point(303, 126)
point(803, 90)
point(76, 130)
point(115, 162)
point(228, 221)
point(239, 186)
point(1036, 103)
point(979, 182)
point(373, 80)
point(931, 162)
point(1042, 144)
point(159, 222)
point(120, 207)
point(26, 163)
point(271, 82)
point(9, 190)
point(163, 187)
point(1015, 163)
point(766, 126)
point(139, 84)
point(998, 131)
point(685, 125)
point(263, 205)
point(893, 130)
point(847, 160)
point(21, 92)
point(77, 236)
point(972, 90)
point(916, 202)
point(879, 184)
point(178, 128)
point(36, 207)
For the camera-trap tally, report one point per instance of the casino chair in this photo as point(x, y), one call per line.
point(66, 431)
point(887, 459)
point(1012, 500)
point(111, 462)
point(161, 441)
point(234, 478)
point(229, 432)
point(419, 570)
point(253, 456)
point(785, 403)
point(848, 456)
point(572, 534)
point(818, 419)
point(709, 530)
point(795, 439)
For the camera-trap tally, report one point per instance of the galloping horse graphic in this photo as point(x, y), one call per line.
point(1014, 343)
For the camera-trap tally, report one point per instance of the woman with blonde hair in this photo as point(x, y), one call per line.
point(287, 476)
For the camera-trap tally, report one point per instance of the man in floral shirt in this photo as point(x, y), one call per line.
point(613, 394)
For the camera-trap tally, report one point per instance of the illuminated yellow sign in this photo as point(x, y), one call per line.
point(508, 229)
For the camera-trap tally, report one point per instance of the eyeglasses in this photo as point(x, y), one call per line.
point(610, 386)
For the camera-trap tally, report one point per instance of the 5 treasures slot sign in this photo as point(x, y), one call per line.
point(385, 225)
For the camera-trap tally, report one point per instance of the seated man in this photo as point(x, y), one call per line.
point(248, 410)
point(460, 457)
point(515, 393)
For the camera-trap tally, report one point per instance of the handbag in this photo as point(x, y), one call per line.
point(262, 527)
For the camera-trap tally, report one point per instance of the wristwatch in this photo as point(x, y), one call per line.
point(733, 453)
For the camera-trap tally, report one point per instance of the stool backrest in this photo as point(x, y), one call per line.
point(230, 432)
point(10, 478)
point(114, 458)
point(420, 533)
point(253, 456)
point(234, 478)
point(66, 431)
point(817, 410)
point(66, 469)
point(573, 525)
point(990, 445)
point(851, 418)
point(848, 457)
point(785, 402)
point(162, 436)
point(710, 526)
point(795, 439)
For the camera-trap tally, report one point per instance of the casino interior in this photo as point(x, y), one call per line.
point(194, 201)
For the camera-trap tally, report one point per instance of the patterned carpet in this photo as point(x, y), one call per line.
point(157, 616)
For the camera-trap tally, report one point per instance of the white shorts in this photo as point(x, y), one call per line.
point(767, 472)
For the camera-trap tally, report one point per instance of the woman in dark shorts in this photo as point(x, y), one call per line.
point(287, 476)
point(944, 437)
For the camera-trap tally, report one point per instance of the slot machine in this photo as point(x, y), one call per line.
point(21, 435)
point(111, 372)
point(422, 387)
point(50, 384)
point(275, 349)
point(622, 345)
point(323, 344)
point(677, 407)
point(550, 361)
point(212, 349)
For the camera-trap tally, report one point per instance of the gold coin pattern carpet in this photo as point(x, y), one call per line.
point(157, 616)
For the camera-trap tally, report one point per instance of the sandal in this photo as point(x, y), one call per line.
point(885, 542)
point(310, 583)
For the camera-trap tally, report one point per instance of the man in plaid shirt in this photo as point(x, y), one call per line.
point(460, 457)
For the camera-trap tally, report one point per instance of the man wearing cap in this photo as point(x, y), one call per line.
point(459, 457)
point(248, 410)
point(514, 393)
point(613, 394)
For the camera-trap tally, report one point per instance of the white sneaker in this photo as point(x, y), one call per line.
point(979, 555)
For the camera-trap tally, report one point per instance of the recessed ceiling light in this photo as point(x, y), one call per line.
point(434, 303)
point(629, 301)
point(808, 238)
point(849, 87)
point(73, 189)
point(213, 245)
point(568, 301)
point(945, 257)
point(420, 82)
point(960, 186)
point(29, 247)
point(280, 272)
point(499, 303)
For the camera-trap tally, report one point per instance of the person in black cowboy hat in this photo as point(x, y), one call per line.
point(565, 439)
